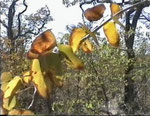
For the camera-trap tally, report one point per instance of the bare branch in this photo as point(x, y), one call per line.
point(3, 24)
point(19, 22)
point(31, 31)
point(145, 17)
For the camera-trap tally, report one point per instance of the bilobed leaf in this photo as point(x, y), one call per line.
point(86, 46)
point(13, 86)
point(112, 34)
point(6, 77)
point(10, 103)
point(76, 37)
point(71, 59)
point(42, 45)
point(38, 79)
point(95, 13)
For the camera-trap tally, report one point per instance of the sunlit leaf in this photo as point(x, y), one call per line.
point(27, 77)
point(20, 112)
point(95, 13)
point(13, 86)
point(87, 47)
point(10, 103)
point(112, 34)
point(38, 79)
point(6, 77)
point(76, 37)
point(71, 59)
point(3, 86)
point(115, 8)
point(42, 45)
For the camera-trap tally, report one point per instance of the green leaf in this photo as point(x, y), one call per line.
point(71, 59)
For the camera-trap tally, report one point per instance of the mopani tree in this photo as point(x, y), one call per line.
point(46, 73)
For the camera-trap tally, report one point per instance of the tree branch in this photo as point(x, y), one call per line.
point(120, 12)
point(19, 22)
point(40, 28)
point(11, 14)
point(3, 24)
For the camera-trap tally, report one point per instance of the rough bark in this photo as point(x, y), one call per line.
point(130, 95)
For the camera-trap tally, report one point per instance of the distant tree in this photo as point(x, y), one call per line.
point(17, 29)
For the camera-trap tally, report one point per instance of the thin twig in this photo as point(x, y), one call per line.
point(32, 102)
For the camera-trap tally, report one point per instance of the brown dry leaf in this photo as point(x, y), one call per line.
point(112, 34)
point(95, 13)
point(42, 45)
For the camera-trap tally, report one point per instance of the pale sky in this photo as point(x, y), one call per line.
point(62, 16)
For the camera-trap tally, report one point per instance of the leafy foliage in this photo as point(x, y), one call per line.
point(106, 69)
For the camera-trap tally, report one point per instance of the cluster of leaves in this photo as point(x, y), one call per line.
point(46, 69)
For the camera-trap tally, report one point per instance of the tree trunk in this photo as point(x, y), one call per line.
point(129, 90)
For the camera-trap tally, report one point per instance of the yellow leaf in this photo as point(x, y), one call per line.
point(87, 47)
point(38, 79)
point(13, 86)
point(112, 34)
point(20, 112)
point(27, 77)
point(10, 103)
point(95, 13)
point(6, 77)
point(71, 59)
point(75, 38)
point(115, 8)
point(3, 86)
